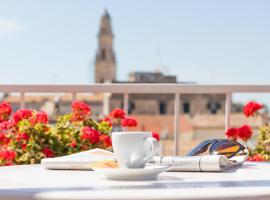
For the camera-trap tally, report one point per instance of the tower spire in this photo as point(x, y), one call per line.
point(105, 64)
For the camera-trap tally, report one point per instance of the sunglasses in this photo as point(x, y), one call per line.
point(228, 148)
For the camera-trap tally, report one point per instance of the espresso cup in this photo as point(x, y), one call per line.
point(134, 149)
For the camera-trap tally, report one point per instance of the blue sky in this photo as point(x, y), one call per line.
point(210, 42)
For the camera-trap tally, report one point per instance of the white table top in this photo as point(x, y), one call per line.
point(252, 180)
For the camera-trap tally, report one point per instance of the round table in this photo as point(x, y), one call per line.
point(250, 181)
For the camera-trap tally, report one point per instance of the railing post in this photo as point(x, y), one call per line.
point(176, 123)
point(22, 104)
point(228, 103)
point(126, 102)
point(73, 96)
point(106, 103)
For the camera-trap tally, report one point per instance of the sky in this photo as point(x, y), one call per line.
point(209, 42)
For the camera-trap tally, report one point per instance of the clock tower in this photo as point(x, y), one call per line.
point(105, 64)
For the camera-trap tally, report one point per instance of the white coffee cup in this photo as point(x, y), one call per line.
point(134, 149)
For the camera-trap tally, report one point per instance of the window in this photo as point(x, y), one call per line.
point(131, 107)
point(186, 107)
point(162, 108)
point(218, 105)
point(103, 54)
point(213, 107)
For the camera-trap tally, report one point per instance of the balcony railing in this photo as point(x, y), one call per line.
point(127, 89)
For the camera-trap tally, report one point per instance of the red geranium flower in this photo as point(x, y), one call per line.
point(251, 107)
point(4, 139)
point(42, 117)
point(7, 155)
point(22, 136)
point(81, 107)
point(73, 144)
point(23, 146)
point(6, 125)
point(47, 152)
point(80, 111)
point(245, 132)
point(105, 140)
point(129, 122)
point(256, 158)
point(22, 114)
point(232, 133)
point(155, 135)
point(118, 113)
point(90, 134)
point(2, 136)
point(5, 111)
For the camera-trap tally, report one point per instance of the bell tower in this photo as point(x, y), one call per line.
point(105, 64)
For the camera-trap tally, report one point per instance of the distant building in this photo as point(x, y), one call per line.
point(105, 71)
point(150, 77)
point(105, 64)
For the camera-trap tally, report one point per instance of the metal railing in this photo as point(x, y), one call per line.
point(127, 89)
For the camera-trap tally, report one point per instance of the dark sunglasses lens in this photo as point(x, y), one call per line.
point(226, 148)
point(201, 148)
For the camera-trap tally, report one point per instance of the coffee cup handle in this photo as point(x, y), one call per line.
point(154, 148)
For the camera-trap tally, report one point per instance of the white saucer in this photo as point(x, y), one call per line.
point(146, 173)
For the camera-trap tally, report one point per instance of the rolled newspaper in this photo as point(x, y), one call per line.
point(195, 163)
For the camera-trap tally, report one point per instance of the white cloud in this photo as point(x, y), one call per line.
point(8, 26)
